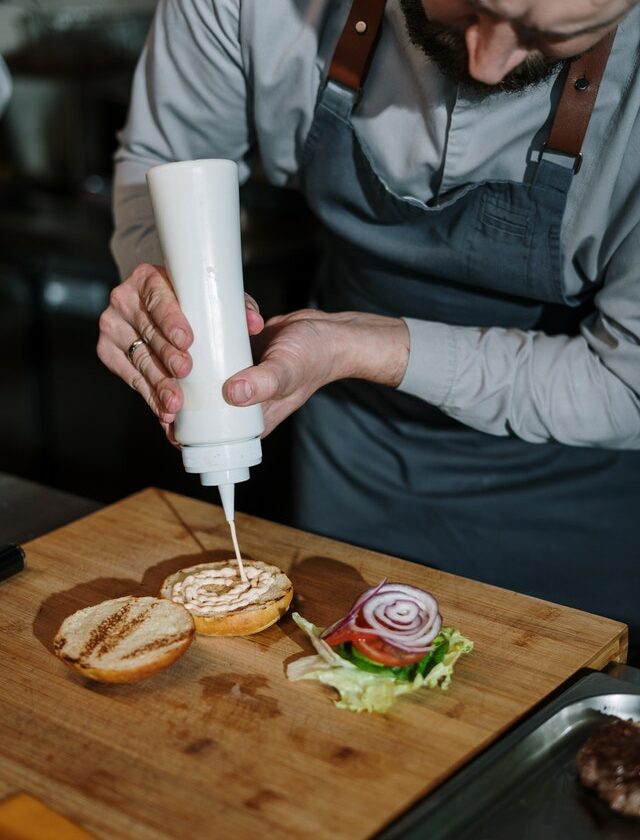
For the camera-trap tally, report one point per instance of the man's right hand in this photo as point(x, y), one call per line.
point(145, 307)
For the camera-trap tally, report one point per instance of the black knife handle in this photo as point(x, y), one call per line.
point(11, 560)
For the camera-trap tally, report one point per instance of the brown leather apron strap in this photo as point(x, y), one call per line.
point(581, 87)
point(355, 47)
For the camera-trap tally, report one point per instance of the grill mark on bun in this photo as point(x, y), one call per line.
point(163, 641)
point(120, 633)
point(113, 630)
point(99, 633)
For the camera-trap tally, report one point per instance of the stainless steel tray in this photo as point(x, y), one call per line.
point(525, 786)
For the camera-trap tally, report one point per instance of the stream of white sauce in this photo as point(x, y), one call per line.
point(236, 548)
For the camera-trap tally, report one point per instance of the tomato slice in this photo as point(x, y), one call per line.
point(373, 648)
point(340, 636)
point(383, 653)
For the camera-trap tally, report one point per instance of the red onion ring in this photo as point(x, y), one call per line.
point(401, 615)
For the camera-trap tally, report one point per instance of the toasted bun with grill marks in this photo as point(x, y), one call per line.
point(243, 621)
point(124, 640)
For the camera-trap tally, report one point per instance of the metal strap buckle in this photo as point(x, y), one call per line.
point(573, 162)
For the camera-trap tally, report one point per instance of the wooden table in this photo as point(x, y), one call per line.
point(221, 744)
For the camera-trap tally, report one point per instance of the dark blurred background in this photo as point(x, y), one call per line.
point(65, 420)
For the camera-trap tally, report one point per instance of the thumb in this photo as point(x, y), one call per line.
point(267, 381)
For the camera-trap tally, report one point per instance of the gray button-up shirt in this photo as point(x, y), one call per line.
point(219, 76)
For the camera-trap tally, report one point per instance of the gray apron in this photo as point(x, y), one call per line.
point(387, 471)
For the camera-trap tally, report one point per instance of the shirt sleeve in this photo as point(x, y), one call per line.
point(579, 390)
point(188, 101)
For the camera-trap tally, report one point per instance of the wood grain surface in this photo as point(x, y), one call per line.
point(221, 744)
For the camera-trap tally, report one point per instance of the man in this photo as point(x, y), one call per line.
point(476, 336)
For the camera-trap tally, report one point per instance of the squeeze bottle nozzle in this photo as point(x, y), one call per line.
point(227, 492)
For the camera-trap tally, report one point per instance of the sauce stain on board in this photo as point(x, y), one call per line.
point(231, 692)
point(263, 797)
point(525, 639)
point(199, 746)
point(345, 754)
point(352, 761)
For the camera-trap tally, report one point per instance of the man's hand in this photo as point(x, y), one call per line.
point(145, 307)
point(301, 352)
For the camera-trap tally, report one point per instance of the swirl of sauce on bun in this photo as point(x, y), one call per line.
point(221, 590)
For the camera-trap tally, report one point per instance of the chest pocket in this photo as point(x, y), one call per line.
point(513, 246)
point(501, 223)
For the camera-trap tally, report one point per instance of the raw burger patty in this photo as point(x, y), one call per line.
point(609, 762)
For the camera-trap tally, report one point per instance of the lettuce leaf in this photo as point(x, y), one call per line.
point(365, 690)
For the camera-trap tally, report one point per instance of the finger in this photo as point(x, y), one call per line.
point(146, 375)
point(116, 338)
point(126, 297)
point(167, 393)
point(251, 303)
point(162, 307)
point(161, 323)
point(147, 303)
point(169, 430)
point(269, 380)
point(255, 321)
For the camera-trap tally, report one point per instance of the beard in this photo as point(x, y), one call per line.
point(447, 48)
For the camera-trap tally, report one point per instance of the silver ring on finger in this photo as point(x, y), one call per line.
point(139, 342)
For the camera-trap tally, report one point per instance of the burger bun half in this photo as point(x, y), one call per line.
point(126, 639)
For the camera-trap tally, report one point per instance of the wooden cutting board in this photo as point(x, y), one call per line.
point(221, 744)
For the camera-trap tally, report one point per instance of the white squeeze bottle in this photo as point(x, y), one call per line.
point(197, 212)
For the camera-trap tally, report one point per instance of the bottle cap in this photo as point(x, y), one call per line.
point(215, 478)
point(11, 560)
point(222, 463)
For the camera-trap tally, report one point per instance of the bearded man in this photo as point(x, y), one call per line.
point(468, 378)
